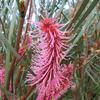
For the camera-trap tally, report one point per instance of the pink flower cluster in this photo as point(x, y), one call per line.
point(2, 72)
point(21, 51)
point(51, 78)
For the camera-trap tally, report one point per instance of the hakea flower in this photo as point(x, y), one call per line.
point(21, 51)
point(2, 72)
point(50, 78)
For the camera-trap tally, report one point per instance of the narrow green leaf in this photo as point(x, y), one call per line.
point(11, 33)
point(10, 36)
point(96, 67)
point(85, 27)
point(5, 41)
point(60, 9)
point(91, 77)
point(79, 12)
point(91, 7)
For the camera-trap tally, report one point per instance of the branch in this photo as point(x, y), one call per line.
point(24, 43)
point(10, 73)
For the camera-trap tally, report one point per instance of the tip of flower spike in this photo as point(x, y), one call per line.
point(49, 25)
point(48, 20)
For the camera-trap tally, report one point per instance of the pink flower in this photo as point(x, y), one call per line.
point(2, 75)
point(51, 79)
point(2, 72)
point(21, 51)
